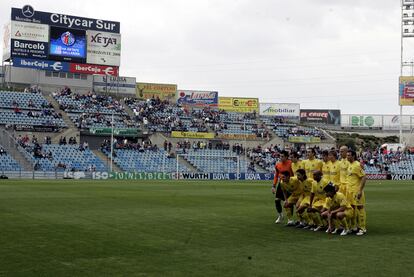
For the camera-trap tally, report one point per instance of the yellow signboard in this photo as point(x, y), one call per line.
point(195, 135)
point(304, 139)
point(406, 91)
point(239, 105)
point(150, 90)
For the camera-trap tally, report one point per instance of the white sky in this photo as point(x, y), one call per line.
point(320, 53)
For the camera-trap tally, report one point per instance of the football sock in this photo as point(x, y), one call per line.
point(278, 205)
point(362, 217)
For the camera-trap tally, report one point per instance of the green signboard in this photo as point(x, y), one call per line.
point(117, 132)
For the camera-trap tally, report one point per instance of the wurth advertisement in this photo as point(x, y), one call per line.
point(93, 69)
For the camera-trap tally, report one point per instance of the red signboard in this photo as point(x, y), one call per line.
point(93, 69)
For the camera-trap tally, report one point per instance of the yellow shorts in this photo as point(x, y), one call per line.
point(319, 204)
point(305, 201)
point(352, 197)
point(293, 199)
point(349, 213)
point(343, 189)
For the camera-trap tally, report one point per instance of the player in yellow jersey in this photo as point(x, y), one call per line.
point(356, 184)
point(343, 169)
point(338, 209)
point(296, 163)
point(334, 169)
point(304, 200)
point(326, 165)
point(317, 200)
point(292, 186)
point(312, 164)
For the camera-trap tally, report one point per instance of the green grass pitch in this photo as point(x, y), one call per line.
point(190, 228)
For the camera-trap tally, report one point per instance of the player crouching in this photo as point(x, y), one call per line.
point(338, 209)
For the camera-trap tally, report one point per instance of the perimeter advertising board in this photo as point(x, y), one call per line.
point(362, 121)
point(285, 110)
point(109, 84)
point(197, 98)
point(406, 91)
point(332, 117)
point(65, 66)
point(239, 104)
point(151, 90)
point(103, 48)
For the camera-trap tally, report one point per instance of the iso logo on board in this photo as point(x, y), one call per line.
point(67, 38)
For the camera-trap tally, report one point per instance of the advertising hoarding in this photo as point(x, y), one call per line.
point(29, 14)
point(332, 117)
point(304, 139)
point(103, 48)
point(29, 49)
point(406, 91)
point(197, 98)
point(29, 31)
point(239, 105)
point(287, 110)
point(110, 84)
point(196, 135)
point(151, 90)
point(41, 64)
point(93, 69)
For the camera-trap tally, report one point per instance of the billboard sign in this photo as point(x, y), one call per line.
point(93, 69)
point(103, 48)
point(29, 14)
point(6, 41)
point(29, 49)
point(367, 121)
point(239, 105)
point(111, 84)
point(29, 31)
point(304, 139)
point(195, 135)
point(150, 90)
point(406, 91)
point(41, 64)
point(197, 98)
point(332, 117)
point(280, 110)
point(67, 44)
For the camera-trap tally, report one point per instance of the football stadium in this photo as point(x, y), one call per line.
point(103, 174)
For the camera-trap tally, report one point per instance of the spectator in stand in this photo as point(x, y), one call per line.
point(2, 151)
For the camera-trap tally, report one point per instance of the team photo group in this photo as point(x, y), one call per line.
point(324, 194)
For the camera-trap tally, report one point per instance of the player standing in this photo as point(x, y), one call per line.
point(284, 165)
point(356, 184)
point(312, 164)
point(296, 162)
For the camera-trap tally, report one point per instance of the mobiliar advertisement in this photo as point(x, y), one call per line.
point(406, 91)
point(162, 91)
point(332, 117)
point(103, 48)
point(285, 110)
point(197, 98)
point(239, 104)
point(111, 84)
